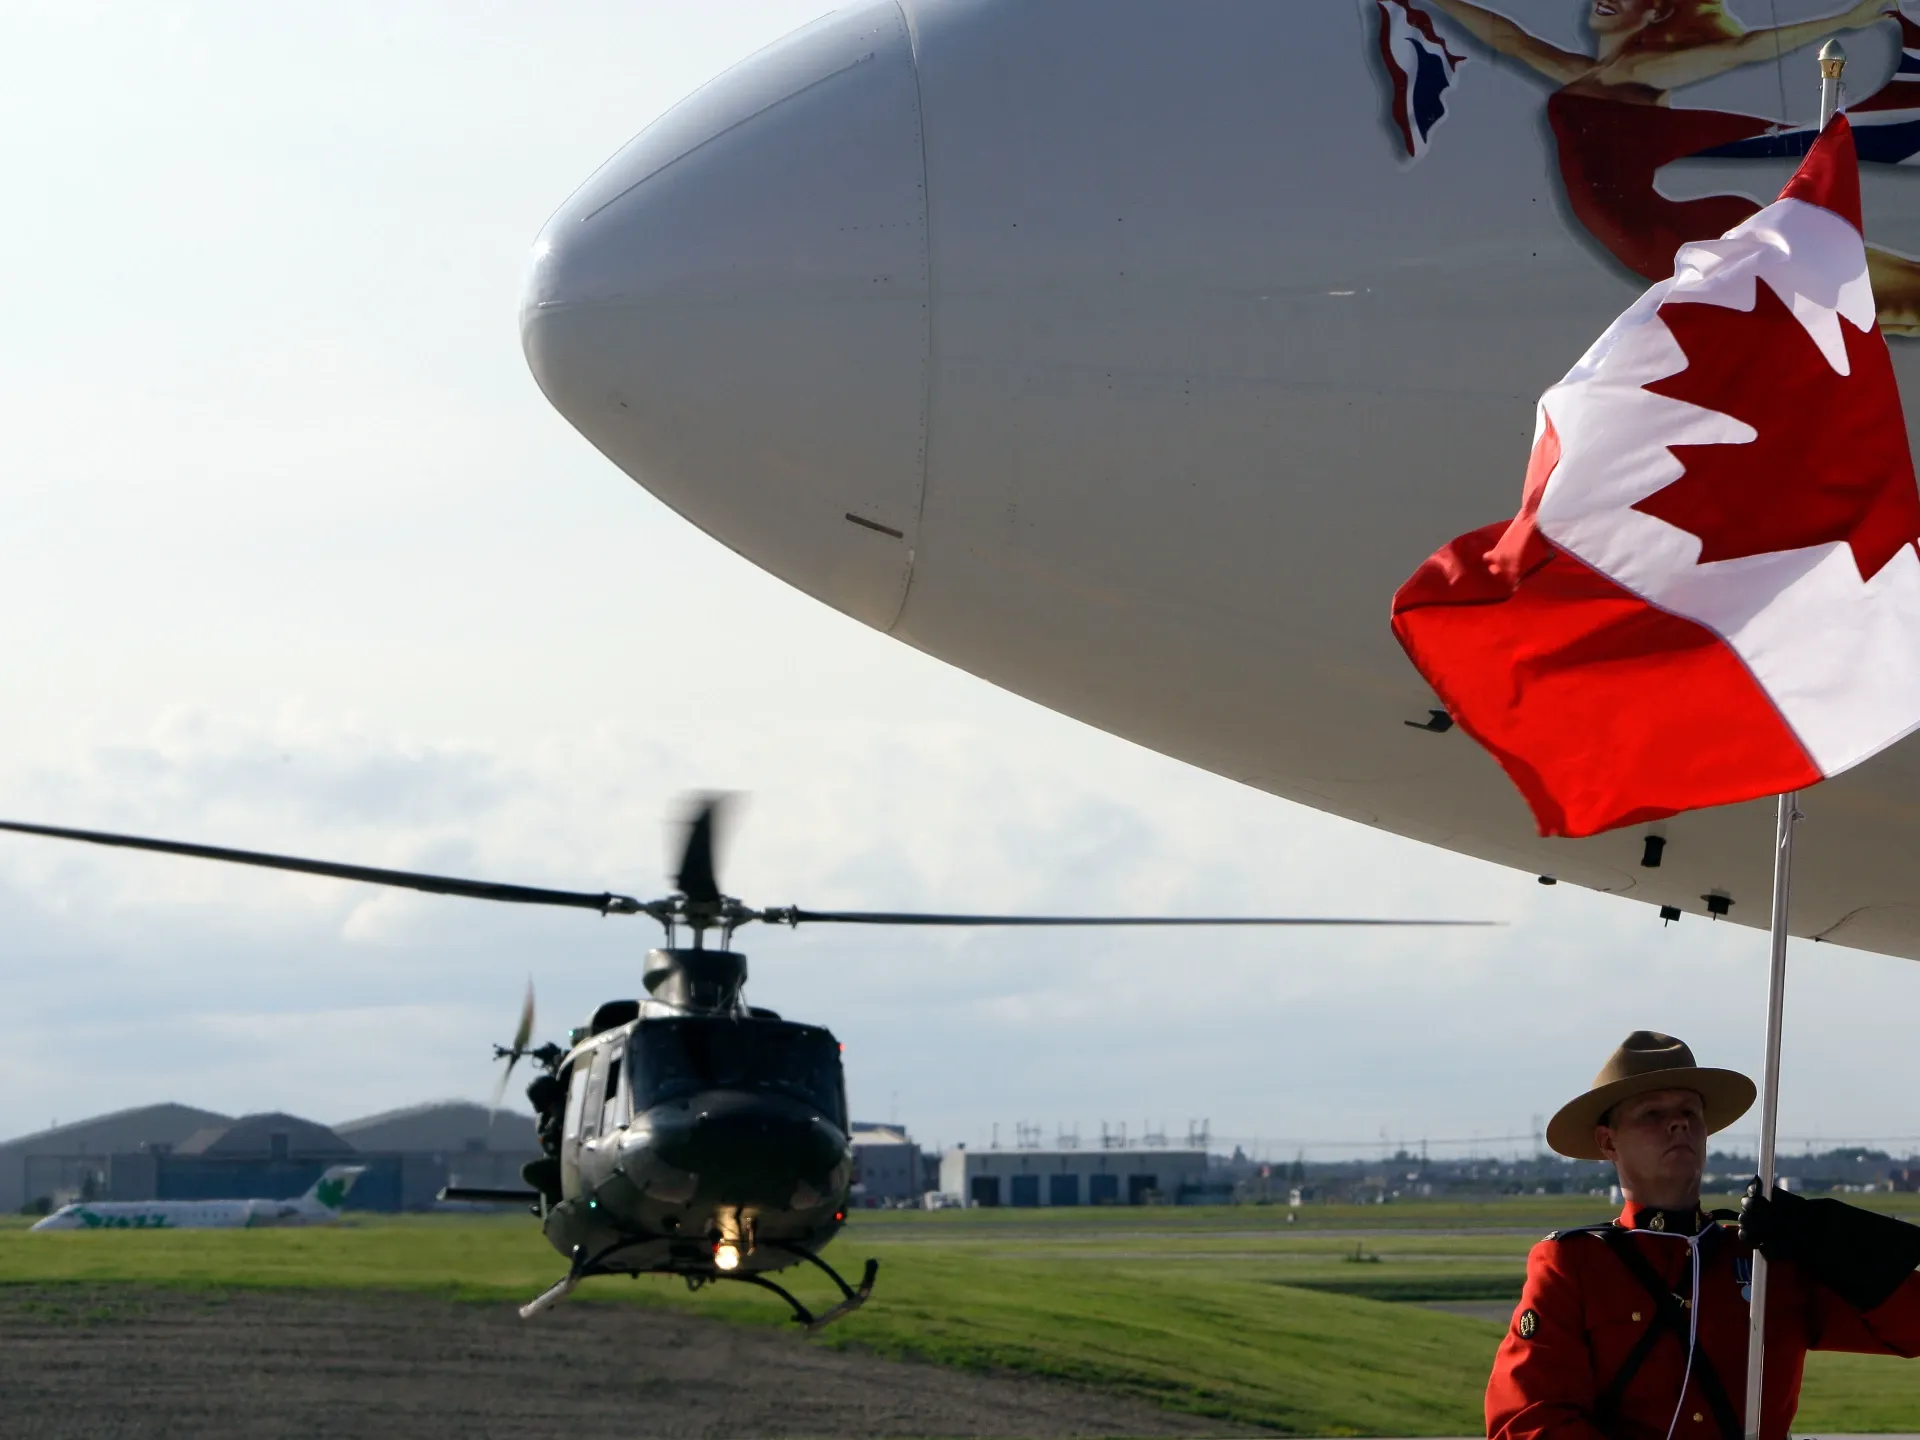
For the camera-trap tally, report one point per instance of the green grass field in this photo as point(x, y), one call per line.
point(1316, 1326)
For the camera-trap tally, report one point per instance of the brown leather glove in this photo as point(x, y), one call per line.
point(1859, 1255)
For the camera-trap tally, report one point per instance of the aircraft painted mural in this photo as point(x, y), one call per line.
point(1614, 124)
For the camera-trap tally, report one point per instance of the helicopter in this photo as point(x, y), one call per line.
point(688, 1133)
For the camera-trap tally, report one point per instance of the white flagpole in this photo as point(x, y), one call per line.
point(1770, 1096)
point(1833, 60)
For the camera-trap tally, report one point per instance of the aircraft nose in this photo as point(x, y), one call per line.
point(734, 309)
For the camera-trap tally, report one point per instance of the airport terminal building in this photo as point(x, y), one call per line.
point(1105, 1176)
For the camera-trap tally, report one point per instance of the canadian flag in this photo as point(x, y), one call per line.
point(1711, 591)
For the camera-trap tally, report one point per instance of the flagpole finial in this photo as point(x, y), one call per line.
point(1833, 61)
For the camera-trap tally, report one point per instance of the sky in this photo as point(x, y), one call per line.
point(294, 556)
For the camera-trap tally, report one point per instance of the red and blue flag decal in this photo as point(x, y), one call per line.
point(1419, 69)
point(1886, 125)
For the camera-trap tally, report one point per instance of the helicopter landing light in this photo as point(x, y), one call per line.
point(726, 1257)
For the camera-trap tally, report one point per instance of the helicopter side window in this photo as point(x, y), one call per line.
point(577, 1099)
point(612, 1112)
point(590, 1102)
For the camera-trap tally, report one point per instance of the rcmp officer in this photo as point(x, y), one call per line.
point(1638, 1328)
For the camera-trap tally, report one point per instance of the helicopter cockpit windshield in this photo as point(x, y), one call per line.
point(671, 1059)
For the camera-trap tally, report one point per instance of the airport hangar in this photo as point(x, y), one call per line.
point(887, 1166)
point(1108, 1175)
point(178, 1152)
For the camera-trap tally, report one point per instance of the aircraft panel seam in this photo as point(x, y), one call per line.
point(926, 308)
point(658, 170)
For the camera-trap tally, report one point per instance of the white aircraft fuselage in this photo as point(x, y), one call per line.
point(319, 1206)
point(1120, 353)
point(171, 1215)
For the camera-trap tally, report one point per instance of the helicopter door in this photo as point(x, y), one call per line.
point(583, 1116)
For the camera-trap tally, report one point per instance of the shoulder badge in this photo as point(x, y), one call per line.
point(1528, 1322)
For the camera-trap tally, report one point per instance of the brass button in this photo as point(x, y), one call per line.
point(1697, 1417)
point(1636, 1316)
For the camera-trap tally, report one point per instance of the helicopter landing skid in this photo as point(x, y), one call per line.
point(549, 1298)
point(853, 1298)
point(583, 1266)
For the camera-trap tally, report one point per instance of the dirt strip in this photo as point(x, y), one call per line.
point(111, 1361)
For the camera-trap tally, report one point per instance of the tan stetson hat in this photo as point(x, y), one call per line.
point(1646, 1062)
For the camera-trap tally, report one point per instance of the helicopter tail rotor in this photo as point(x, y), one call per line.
point(522, 1036)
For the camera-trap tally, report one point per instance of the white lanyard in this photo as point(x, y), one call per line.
point(1693, 1311)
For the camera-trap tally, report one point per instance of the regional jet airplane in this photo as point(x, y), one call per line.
point(1130, 353)
point(319, 1206)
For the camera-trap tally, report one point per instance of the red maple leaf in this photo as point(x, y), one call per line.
point(1830, 460)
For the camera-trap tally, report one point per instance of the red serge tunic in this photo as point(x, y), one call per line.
point(1590, 1305)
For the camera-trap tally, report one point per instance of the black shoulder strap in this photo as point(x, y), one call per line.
point(1669, 1317)
point(1717, 1399)
point(1601, 1229)
point(1675, 1306)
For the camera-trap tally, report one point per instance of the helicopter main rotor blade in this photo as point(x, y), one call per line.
point(697, 877)
point(605, 903)
point(794, 915)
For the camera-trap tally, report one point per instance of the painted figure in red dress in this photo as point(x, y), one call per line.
point(1614, 124)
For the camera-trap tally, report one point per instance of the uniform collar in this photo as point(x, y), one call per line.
point(1670, 1222)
